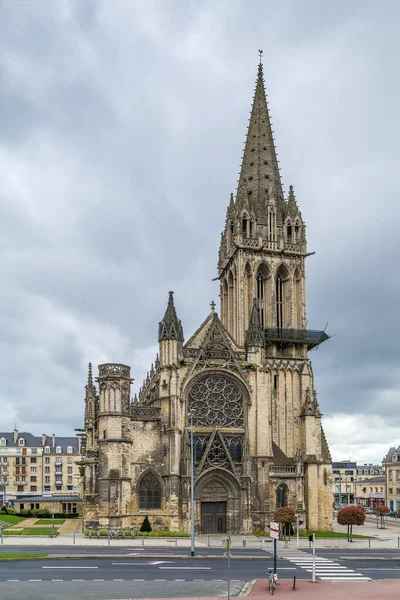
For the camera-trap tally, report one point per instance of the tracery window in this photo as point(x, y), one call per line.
point(234, 444)
point(149, 492)
point(200, 444)
point(216, 401)
point(281, 495)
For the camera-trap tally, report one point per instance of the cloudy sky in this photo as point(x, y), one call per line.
point(121, 130)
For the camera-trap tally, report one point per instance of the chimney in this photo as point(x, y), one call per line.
point(44, 437)
point(15, 435)
point(53, 440)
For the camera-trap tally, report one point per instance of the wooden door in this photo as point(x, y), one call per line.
point(213, 517)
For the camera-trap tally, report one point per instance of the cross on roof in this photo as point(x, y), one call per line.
point(212, 305)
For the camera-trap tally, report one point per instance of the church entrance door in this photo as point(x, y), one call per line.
point(213, 517)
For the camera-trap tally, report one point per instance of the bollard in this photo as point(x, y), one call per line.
point(176, 540)
point(294, 581)
point(208, 541)
point(369, 542)
point(398, 542)
point(73, 538)
point(109, 537)
point(244, 543)
point(1, 534)
point(142, 540)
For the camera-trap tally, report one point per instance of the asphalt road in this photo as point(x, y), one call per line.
point(129, 576)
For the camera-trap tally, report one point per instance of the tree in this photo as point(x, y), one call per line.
point(286, 516)
point(381, 512)
point(146, 527)
point(351, 515)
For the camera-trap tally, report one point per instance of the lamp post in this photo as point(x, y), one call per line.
point(191, 485)
point(5, 481)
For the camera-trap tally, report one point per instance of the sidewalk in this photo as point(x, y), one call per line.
point(386, 540)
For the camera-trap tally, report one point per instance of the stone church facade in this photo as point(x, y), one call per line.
point(242, 385)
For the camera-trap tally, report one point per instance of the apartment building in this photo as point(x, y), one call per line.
point(370, 491)
point(34, 465)
point(391, 466)
point(344, 479)
point(366, 471)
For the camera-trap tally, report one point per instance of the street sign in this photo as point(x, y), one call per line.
point(274, 534)
point(274, 530)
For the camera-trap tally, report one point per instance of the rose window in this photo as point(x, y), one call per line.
point(216, 401)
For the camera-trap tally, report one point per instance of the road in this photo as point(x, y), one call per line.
point(127, 575)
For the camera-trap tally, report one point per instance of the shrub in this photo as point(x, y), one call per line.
point(10, 511)
point(146, 527)
point(286, 516)
point(351, 515)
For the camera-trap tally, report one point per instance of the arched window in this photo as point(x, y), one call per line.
point(281, 495)
point(149, 491)
point(297, 304)
point(297, 232)
point(262, 293)
point(244, 226)
point(248, 293)
point(289, 233)
point(282, 297)
point(251, 228)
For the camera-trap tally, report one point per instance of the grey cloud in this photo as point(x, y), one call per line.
point(121, 138)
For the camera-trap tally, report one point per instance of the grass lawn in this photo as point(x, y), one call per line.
point(48, 522)
point(20, 556)
point(332, 534)
point(31, 531)
point(11, 519)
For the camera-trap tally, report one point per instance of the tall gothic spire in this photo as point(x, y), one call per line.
point(259, 174)
point(170, 328)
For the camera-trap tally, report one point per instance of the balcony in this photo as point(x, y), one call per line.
point(287, 337)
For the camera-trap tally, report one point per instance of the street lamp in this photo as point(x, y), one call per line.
point(191, 484)
point(5, 481)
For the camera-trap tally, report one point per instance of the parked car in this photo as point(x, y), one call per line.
point(369, 510)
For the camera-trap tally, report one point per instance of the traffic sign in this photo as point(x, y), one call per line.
point(274, 534)
point(274, 526)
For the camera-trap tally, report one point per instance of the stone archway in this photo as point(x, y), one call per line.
point(218, 502)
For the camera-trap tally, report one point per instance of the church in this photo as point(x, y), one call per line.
point(242, 386)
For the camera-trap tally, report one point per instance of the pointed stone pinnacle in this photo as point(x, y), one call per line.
point(90, 375)
point(170, 328)
point(254, 334)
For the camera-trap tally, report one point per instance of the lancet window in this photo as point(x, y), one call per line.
point(149, 491)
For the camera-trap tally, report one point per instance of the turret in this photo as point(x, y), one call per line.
point(170, 335)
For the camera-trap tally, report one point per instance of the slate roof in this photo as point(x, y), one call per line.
point(33, 441)
point(49, 499)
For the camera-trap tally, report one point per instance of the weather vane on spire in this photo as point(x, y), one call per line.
point(260, 52)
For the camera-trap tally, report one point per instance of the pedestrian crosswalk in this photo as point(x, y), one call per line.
point(325, 568)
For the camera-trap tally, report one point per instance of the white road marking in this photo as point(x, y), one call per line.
point(188, 568)
point(180, 579)
point(56, 580)
point(70, 567)
point(93, 580)
point(34, 580)
point(118, 579)
point(346, 578)
point(138, 580)
point(12, 579)
point(77, 580)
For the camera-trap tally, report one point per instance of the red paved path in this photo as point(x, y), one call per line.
point(321, 590)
